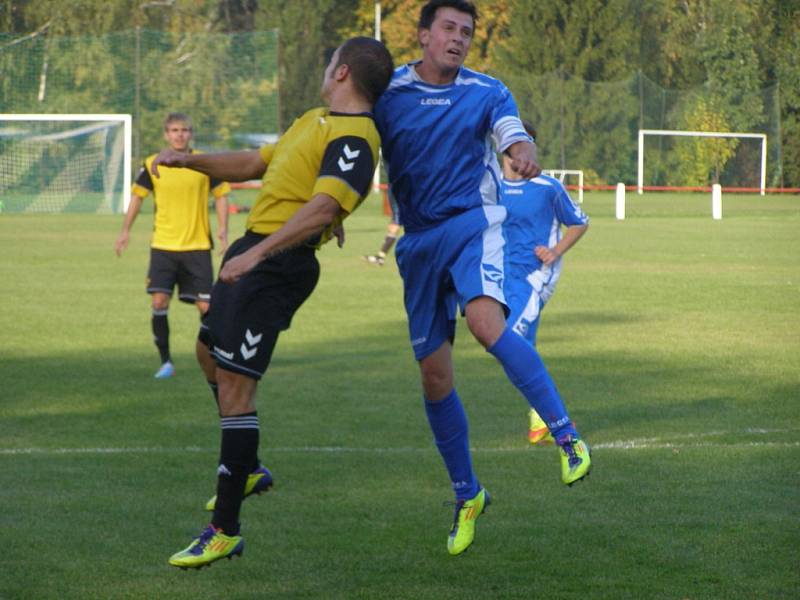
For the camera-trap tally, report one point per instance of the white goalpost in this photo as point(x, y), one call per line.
point(65, 162)
point(711, 134)
point(560, 174)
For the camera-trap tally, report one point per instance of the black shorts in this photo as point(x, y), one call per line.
point(191, 271)
point(246, 316)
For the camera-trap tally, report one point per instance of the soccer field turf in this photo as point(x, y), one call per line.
point(674, 340)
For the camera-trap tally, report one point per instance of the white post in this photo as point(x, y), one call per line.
point(376, 178)
point(640, 181)
point(620, 202)
point(716, 201)
point(763, 164)
point(127, 166)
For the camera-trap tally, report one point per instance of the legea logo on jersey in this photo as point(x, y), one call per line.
point(513, 192)
point(435, 102)
point(492, 273)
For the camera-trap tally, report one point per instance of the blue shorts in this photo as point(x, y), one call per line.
point(527, 293)
point(447, 266)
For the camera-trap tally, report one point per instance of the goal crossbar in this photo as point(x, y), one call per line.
point(125, 119)
point(560, 173)
point(711, 134)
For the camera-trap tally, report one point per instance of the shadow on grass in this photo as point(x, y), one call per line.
point(363, 390)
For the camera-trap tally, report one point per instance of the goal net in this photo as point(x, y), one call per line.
point(65, 163)
point(677, 159)
point(571, 178)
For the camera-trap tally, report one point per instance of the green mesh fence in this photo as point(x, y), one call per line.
point(227, 83)
point(594, 127)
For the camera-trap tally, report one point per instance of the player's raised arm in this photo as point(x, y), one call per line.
point(225, 166)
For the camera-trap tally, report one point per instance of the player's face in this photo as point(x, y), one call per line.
point(446, 43)
point(178, 135)
point(328, 80)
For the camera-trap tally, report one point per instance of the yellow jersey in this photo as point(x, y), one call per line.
point(322, 152)
point(180, 196)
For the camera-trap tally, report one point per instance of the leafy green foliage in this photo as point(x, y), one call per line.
point(590, 73)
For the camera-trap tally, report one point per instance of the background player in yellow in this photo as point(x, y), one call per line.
point(319, 172)
point(180, 250)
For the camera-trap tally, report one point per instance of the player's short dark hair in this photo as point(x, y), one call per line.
point(370, 64)
point(174, 117)
point(428, 13)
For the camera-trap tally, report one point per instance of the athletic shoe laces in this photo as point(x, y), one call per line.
point(458, 506)
point(568, 446)
point(203, 539)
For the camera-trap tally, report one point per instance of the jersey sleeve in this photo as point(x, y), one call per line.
point(507, 127)
point(346, 171)
point(143, 185)
point(567, 212)
point(219, 188)
point(267, 152)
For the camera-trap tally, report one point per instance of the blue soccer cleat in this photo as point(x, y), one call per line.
point(167, 370)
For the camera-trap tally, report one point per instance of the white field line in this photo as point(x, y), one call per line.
point(692, 440)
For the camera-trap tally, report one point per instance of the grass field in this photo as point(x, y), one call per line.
point(674, 340)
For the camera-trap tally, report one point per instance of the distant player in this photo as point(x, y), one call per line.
point(536, 211)
point(180, 250)
point(392, 233)
point(319, 172)
point(439, 125)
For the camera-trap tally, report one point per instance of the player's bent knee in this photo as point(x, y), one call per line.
point(237, 393)
point(437, 379)
point(486, 320)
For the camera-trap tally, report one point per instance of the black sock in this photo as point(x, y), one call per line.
point(161, 334)
point(215, 391)
point(388, 242)
point(238, 453)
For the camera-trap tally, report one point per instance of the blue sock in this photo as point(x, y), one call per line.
point(451, 434)
point(527, 372)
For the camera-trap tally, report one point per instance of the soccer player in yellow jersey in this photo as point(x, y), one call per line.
point(319, 172)
point(180, 251)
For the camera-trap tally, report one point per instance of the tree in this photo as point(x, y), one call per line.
point(548, 53)
point(399, 19)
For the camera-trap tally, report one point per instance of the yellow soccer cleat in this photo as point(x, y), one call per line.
point(463, 530)
point(576, 458)
point(209, 546)
point(538, 433)
point(258, 482)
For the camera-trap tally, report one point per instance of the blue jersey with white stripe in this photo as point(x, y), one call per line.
point(439, 143)
point(535, 209)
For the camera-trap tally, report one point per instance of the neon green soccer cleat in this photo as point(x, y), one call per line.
point(258, 482)
point(538, 433)
point(576, 458)
point(463, 530)
point(209, 546)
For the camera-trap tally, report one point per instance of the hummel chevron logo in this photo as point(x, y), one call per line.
point(223, 470)
point(252, 341)
point(350, 154)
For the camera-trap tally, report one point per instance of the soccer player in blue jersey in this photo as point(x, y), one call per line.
point(536, 211)
point(438, 121)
